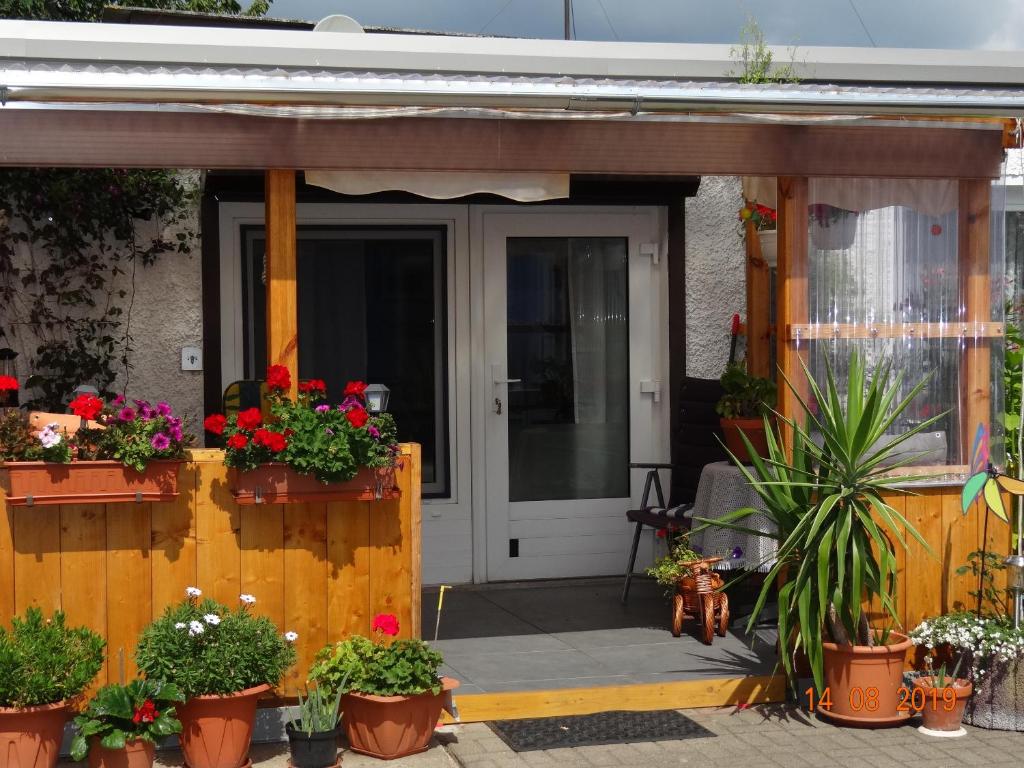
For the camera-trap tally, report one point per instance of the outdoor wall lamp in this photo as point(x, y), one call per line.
point(377, 398)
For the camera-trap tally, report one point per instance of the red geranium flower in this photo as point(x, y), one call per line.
point(313, 385)
point(249, 419)
point(238, 441)
point(215, 423)
point(147, 713)
point(8, 383)
point(355, 389)
point(278, 377)
point(386, 623)
point(275, 441)
point(357, 417)
point(86, 406)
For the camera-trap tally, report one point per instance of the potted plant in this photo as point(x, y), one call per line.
point(837, 537)
point(44, 665)
point(121, 453)
point(123, 724)
point(994, 648)
point(695, 589)
point(393, 696)
point(307, 450)
point(313, 733)
point(832, 228)
point(764, 221)
point(221, 660)
point(943, 698)
point(743, 405)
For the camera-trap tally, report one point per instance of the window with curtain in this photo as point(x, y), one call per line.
point(886, 277)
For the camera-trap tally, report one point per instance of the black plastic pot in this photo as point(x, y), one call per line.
point(319, 750)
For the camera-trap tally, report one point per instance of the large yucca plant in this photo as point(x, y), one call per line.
point(836, 533)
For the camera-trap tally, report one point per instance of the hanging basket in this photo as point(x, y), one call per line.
point(277, 483)
point(769, 247)
point(834, 232)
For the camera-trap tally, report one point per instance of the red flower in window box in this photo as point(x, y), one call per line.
point(385, 623)
point(215, 424)
point(278, 378)
point(238, 441)
point(86, 406)
point(356, 389)
point(250, 419)
point(275, 441)
point(357, 417)
point(313, 387)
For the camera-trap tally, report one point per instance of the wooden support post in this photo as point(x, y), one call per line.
point(281, 269)
point(791, 298)
point(975, 288)
point(758, 306)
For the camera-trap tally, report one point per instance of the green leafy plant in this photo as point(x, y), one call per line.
point(982, 639)
point(836, 533)
point(20, 442)
point(746, 396)
point(318, 711)
point(382, 666)
point(43, 661)
point(313, 438)
point(119, 714)
point(668, 570)
point(132, 434)
point(756, 60)
point(203, 647)
point(982, 565)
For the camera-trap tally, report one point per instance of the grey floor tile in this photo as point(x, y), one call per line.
point(556, 683)
point(521, 643)
point(486, 668)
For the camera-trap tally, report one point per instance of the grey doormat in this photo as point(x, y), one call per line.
point(600, 728)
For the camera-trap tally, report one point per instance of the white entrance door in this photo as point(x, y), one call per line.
point(574, 371)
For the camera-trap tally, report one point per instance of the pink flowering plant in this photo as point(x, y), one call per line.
point(133, 434)
point(306, 433)
point(204, 647)
point(381, 665)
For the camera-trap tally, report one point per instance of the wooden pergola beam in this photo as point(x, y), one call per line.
point(281, 273)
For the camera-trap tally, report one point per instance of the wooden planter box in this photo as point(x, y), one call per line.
point(280, 484)
point(31, 483)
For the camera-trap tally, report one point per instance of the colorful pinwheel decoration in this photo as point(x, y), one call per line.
point(987, 481)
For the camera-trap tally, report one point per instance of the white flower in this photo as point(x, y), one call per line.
point(212, 618)
point(193, 591)
point(291, 637)
point(195, 628)
point(247, 599)
point(180, 625)
point(49, 437)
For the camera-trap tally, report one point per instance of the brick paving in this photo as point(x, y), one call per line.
point(771, 736)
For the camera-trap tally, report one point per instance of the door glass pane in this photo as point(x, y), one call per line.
point(568, 340)
point(372, 308)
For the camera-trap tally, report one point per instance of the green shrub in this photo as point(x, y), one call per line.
point(43, 661)
point(143, 709)
point(384, 667)
point(203, 647)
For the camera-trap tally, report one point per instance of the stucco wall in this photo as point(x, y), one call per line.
point(715, 277)
point(165, 316)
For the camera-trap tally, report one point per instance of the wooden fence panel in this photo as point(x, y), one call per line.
point(311, 566)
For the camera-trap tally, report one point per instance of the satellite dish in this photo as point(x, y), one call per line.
point(338, 23)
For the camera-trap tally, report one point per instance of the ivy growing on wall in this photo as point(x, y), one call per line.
point(71, 241)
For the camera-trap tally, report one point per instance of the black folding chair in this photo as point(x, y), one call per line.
point(694, 445)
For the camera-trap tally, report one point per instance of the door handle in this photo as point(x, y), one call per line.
point(508, 381)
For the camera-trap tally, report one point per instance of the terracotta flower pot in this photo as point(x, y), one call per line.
point(753, 429)
point(278, 483)
point(392, 726)
point(216, 730)
point(83, 482)
point(938, 712)
point(863, 682)
point(137, 753)
point(30, 737)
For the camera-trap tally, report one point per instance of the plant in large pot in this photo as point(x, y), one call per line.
point(44, 665)
point(743, 406)
point(121, 452)
point(222, 660)
point(313, 733)
point(393, 695)
point(837, 537)
point(306, 449)
point(123, 724)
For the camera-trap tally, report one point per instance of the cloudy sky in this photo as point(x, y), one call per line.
point(994, 24)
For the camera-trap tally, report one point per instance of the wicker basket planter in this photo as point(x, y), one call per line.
point(280, 484)
point(698, 597)
point(30, 483)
